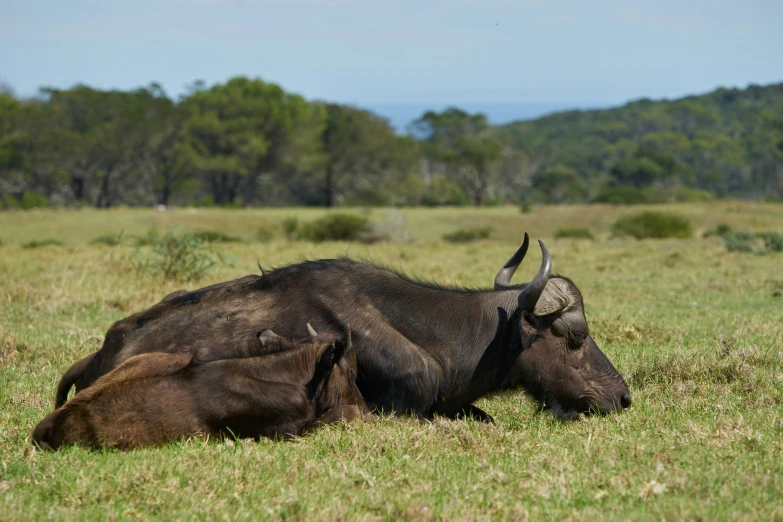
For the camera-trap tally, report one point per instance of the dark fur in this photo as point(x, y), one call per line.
point(156, 397)
point(422, 348)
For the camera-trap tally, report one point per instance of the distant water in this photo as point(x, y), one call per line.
point(400, 115)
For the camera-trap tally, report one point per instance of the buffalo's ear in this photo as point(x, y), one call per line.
point(555, 298)
point(268, 338)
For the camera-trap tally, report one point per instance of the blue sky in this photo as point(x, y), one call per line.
point(399, 52)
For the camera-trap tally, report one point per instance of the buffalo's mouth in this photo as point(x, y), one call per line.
point(571, 412)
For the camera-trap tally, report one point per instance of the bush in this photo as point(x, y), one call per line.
point(290, 227)
point(9, 202)
point(746, 241)
point(741, 241)
point(683, 194)
point(32, 199)
point(213, 236)
point(335, 227)
point(575, 233)
point(526, 206)
point(465, 235)
point(204, 201)
point(720, 230)
point(42, 243)
point(773, 241)
point(177, 257)
point(656, 225)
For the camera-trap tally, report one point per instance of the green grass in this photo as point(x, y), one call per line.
point(693, 328)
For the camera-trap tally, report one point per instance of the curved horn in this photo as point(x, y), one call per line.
point(532, 292)
point(311, 331)
point(503, 279)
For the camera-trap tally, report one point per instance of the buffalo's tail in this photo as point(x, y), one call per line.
point(71, 377)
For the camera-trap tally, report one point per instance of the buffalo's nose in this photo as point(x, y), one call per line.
point(625, 400)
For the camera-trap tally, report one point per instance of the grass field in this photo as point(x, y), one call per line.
point(695, 330)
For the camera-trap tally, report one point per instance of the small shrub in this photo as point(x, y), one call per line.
point(720, 230)
point(109, 239)
point(466, 235)
point(177, 257)
point(574, 233)
point(746, 241)
point(9, 202)
point(204, 201)
point(526, 206)
point(42, 243)
point(32, 199)
point(290, 227)
point(773, 241)
point(265, 233)
point(683, 194)
point(336, 227)
point(656, 225)
point(741, 241)
point(213, 236)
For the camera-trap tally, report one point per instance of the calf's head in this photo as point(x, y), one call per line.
point(338, 390)
point(559, 363)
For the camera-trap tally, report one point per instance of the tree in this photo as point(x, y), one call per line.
point(560, 184)
point(359, 148)
point(460, 144)
point(237, 131)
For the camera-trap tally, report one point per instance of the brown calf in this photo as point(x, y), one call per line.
point(156, 397)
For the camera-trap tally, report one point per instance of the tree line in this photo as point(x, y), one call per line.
point(248, 142)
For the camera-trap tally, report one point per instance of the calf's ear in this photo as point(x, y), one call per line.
point(344, 345)
point(268, 338)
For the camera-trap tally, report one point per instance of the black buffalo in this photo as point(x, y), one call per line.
point(421, 348)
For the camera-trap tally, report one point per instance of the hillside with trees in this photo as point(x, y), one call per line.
point(247, 142)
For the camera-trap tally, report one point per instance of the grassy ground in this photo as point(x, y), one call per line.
point(695, 330)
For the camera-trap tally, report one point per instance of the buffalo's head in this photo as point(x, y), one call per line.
point(559, 363)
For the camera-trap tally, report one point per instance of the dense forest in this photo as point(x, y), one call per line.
point(249, 142)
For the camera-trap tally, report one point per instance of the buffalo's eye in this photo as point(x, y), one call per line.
point(577, 339)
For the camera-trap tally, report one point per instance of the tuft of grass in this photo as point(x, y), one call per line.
point(575, 233)
point(466, 235)
point(650, 224)
point(38, 243)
